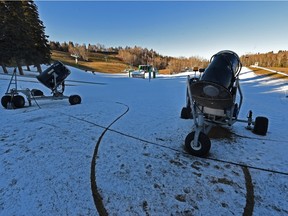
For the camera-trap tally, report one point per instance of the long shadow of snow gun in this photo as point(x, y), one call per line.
point(53, 78)
point(211, 101)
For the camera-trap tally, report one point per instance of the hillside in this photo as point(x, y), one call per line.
point(111, 63)
point(271, 72)
point(106, 63)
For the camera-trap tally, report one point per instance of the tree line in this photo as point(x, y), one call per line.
point(135, 56)
point(22, 36)
point(132, 56)
point(269, 59)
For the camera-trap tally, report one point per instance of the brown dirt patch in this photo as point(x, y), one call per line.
point(219, 132)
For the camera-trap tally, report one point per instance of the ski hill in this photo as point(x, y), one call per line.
point(121, 151)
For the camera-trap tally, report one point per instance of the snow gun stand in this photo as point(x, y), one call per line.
point(211, 101)
point(53, 78)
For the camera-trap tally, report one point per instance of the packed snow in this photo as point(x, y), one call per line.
point(133, 130)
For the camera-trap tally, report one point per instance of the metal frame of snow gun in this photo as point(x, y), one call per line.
point(210, 103)
point(53, 78)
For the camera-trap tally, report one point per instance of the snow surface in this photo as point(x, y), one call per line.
point(141, 165)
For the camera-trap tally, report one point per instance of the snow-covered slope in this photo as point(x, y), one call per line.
point(133, 129)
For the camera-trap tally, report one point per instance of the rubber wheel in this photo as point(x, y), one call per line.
point(18, 101)
point(36, 92)
point(261, 125)
point(203, 147)
point(186, 113)
point(74, 99)
point(5, 100)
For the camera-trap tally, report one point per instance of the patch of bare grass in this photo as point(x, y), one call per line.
point(270, 74)
point(97, 62)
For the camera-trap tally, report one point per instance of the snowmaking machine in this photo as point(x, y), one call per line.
point(211, 100)
point(53, 78)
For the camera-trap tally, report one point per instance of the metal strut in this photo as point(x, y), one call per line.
point(13, 80)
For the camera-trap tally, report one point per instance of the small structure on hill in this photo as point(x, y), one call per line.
point(144, 71)
point(76, 57)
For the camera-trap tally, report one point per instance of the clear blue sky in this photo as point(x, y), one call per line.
point(173, 28)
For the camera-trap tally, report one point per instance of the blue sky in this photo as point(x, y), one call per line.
point(173, 28)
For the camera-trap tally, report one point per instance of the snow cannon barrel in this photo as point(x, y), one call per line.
point(54, 75)
point(214, 89)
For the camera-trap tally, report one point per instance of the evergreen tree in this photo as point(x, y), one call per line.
point(64, 47)
point(39, 47)
point(4, 57)
point(22, 37)
point(14, 33)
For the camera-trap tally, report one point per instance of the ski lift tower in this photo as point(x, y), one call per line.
point(76, 57)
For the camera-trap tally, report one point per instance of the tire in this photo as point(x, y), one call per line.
point(18, 101)
point(36, 92)
point(260, 126)
point(186, 113)
point(5, 100)
point(203, 147)
point(74, 99)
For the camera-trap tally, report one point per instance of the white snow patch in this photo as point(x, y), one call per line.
point(142, 167)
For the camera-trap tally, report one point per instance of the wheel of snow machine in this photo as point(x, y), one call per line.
point(36, 92)
point(5, 100)
point(203, 147)
point(261, 125)
point(18, 101)
point(74, 99)
point(186, 113)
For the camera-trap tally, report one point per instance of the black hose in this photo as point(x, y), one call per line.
point(185, 153)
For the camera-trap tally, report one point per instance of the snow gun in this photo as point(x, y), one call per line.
point(211, 100)
point(53, 78)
